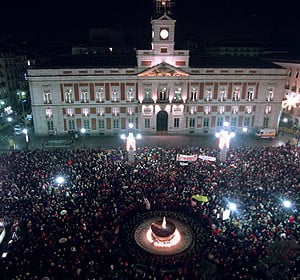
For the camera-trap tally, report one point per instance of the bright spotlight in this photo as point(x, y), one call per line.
point(9, 119)
point(217, 134)
point(226, 124)
point(60, 180)
point(123, 136)
point(232, 134)
point(285, 120)
point(287, 203)
point(138, 136)
point(232, 206)
point(82, 130)
point(245, 129)
point(130, 125)
point(25, 131)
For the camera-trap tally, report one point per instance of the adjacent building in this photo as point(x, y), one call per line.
point(158, 90)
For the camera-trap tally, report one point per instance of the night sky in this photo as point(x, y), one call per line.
point(206, 20)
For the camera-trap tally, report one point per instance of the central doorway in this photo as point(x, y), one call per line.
point(162, 121)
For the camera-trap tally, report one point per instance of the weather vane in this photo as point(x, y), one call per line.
point(163, 6)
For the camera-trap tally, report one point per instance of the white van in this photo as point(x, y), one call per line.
point(266, 133)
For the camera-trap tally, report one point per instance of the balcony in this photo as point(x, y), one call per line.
point(162, 101)
point(148, 100)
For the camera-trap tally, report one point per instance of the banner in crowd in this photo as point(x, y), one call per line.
point(181, 157)
point(200, 198)
point(226, 214)
point(207, 158)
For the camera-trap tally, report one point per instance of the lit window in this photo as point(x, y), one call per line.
point(194, 94)
point(193, 109)
point(84, 96)
point(130, 94)
point(70, 112)
point(49, 113)
point(100, 111)
point(69, 96)
point(47, 97)
point(223, 94)
point(100, 95)
point(235, 109)
point(207, 109)
point(270, 94)
point(130, 111)
point(248, 109)
point(85, 111)
point(208, 94)
point(221, 109)
point(115, 95)
point(250, 94)
point(163, 93)
point(177, 94)
point(268, 109)
point(115, 111)
point(236, 94)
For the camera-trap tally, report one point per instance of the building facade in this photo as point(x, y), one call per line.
point(158, 90)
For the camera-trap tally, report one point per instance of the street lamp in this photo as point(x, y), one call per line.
point(224, 142)
point(287, 204)
point(9, 119)
point(25, 131)
point(83, 131)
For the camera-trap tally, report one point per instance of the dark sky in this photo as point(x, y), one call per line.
point(209, 20)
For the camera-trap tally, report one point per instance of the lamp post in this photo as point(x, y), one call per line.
point(25, 131)
point(131, 142)
point(83, 131)
point(224, 141)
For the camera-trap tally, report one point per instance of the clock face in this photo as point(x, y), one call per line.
point(164, 34)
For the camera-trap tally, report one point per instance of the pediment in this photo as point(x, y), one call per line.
point(163, 70)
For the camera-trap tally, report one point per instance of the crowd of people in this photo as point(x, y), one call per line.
point(74, 229)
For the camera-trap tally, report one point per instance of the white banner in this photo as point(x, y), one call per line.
point(180, 157)
point(226, 214)
point(207, 158)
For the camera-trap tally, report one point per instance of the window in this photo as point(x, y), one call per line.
point(270, 94)
point(101, 124)
point(235, 109)
point(49, 113)
point(207, 109)
point(236, 94)
point(71, 124)
point(266, 121)
point(176, 122)
point(250, 94)
point(47, 97)
point(221, 109)
point(208, 94)
point(84, 95)
point(115, 111)
point(116, 123)
point(85, 111)
point(69, 96)
point(248, 109)
point(70, 112)
point(268, 109)
point(177, 94)
point(130, 111)
point(147, 94)
point(86, 124)
point(163, 93)
point(130, 94)
point(233, 121)
point(220, 121)
point(147, 123)
point(246, 121)
point(193, 110)
point(100, 111)
point(223, 94)
point(205, 122)
point(50, 125)
point(194, 94)
point(100, 94)
point(192, 122)
point(115, 95)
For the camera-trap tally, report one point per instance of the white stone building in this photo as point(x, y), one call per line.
point(158, 90)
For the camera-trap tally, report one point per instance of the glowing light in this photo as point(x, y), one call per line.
point(60, 180)
point(130, 125)
point(291, 101)
point(163, 244)
point(285, 120)
point(287, 203)
point(138, 136)
point(123, 136)
point(83, 130)
point(130, 142)
point(232, 206)
point(164, 223)
point(226, 124)
point(245, 129)
point(224, 138)
point(9, 119)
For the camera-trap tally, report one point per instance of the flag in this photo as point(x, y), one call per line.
point(200, 198)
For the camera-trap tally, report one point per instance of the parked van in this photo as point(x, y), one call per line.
point(266, 133)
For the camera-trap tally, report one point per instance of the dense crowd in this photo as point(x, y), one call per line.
point(73, 230)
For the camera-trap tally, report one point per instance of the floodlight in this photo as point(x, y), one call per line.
point(287, 203)
point(25, 131)
point(130, 125)
point(285, 120)
point(138, 136)
point(232, 206)
point(82, 130)
point(226, 124)
point(60, 180)
point(245, 129)
point(123, 136)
